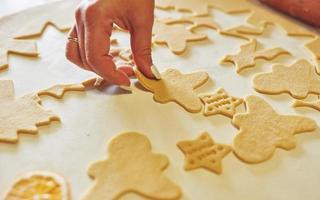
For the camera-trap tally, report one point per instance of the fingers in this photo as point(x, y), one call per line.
point(72, 49)
point(141, 39)
point(97, 32)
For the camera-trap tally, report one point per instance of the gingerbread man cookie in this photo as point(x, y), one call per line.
point(176, 87)
point(131, 167)
point(298, 79)
point(262, 130)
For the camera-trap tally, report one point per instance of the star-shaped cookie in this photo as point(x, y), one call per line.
point(220, 102)
point(21, 115)
point(248, 54)
point(298, 79)
point(176, 87)
point(203, 152)
point(174, 36)
point(262, 130)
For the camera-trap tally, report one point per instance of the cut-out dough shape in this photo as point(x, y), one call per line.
point(203, 152)
point(39, 185)
point(314, 47)
point(176, 87)
point(174, 36)
point(195, 21)
point(248, 54)
point(298, 79)
point(131, 167)
point(313, 104)
point(220, 102)
point(21, 115)
point(243, 31)
point(262, 130)
point(31, 22)
point(58, 91)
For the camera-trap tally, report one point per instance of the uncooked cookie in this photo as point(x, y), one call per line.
point(176, 87)
point(298, 79)
point(314, 47)
point(195, 21)
point(203, 152)
point(31, 22)
point(312, 104)
point(220, 102)
point(248, 54)
point(21, 115)
point(243, 31)
point(174, 36)
point(58, 91)
point(39, 185)
point(194, 6)
point(131, 167)
point(262, 130)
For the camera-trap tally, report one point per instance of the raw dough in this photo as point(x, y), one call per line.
point(131, 167)
point(243, 31)
point(39, 185)
point(312, 104)
point(194, 6)
point(262, 130)
point(314, 47)
point(21, 115)
point(248, 54)
point(31, 22)
point(220, 102)
point(298, 79)
point(176, 87)
point(195, 21)
point(58, 91)
point(203, 152)
point(174, 36)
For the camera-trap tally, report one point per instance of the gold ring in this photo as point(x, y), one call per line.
point(73, 39)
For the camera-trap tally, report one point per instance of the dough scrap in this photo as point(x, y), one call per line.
point(220, 102)
point(203, 152)
point(195, 21)
point(31, 22)
point(39, 185)
point(314, 47)
point(175, 37)
point(298, 79)
point(262, 130)
point(176, 87)
point(194, 6)
point(131, 167)
point(58, 91)
point(313, 104)
point(22, 115)
point(243, 31)
point(248, 54)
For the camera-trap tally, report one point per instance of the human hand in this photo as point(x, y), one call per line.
point(89, 39)
point(307, 10)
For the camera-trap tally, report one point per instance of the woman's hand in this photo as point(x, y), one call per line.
point(89, 40)
point(307, 10)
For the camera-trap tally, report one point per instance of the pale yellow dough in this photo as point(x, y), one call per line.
point(219, 102)
point(131, 167)
point(21, 115)
point(195, 21)
point(58, 91)
point(312, 104)
point(298, 79)
point(40, 185)
point(31, 22)
point(203, 152)
point(249, 53)
point(262, 130)
point(174, 36)
point(176, 87)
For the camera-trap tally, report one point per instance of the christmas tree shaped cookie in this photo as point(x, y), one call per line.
point(131, 167)
point(262, 130)
point(21, 115)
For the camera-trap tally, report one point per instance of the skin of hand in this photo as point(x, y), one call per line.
point(307, 10)
point(93, 29)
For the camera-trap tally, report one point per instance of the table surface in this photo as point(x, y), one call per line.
point(89, 120)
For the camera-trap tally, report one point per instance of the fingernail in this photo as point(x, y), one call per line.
point(155, 72)
point(98, 81)
point(127, 88)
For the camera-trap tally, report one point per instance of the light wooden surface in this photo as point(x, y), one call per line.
point(90, 119)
